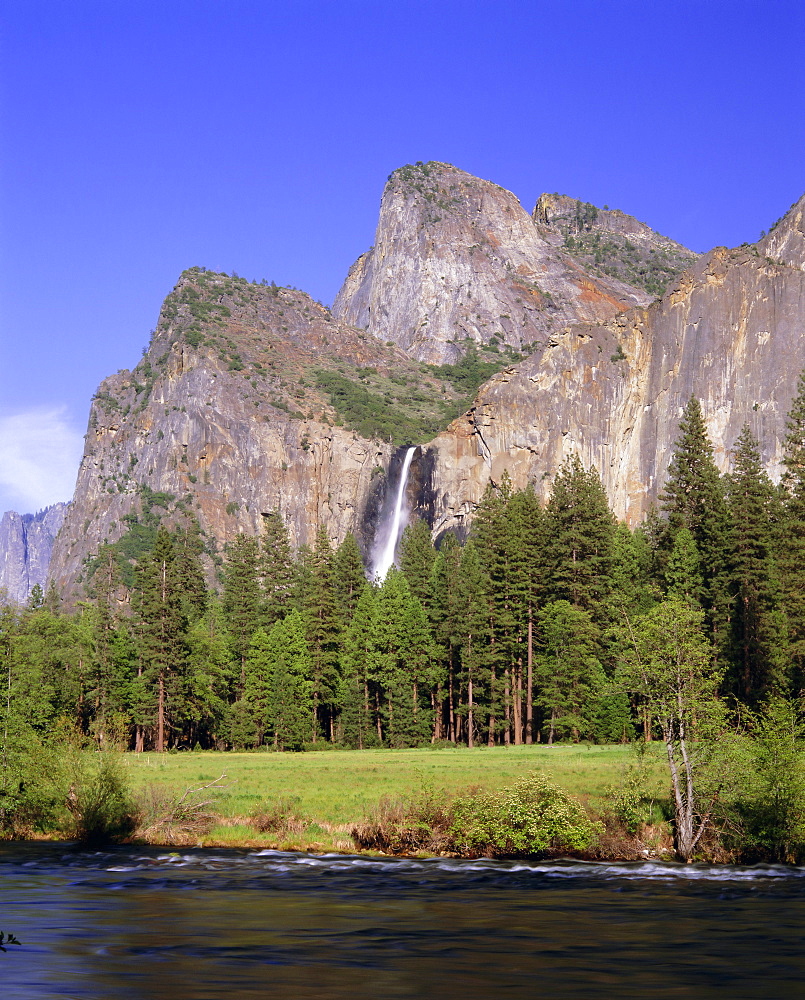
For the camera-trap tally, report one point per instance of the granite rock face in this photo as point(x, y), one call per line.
point(457, 259)
point(786, 241)
point(26, 541)
point(224, 420)
point(731, 331)
point(253, 398)
point(610, 243)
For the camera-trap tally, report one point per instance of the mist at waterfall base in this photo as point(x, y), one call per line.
point(208, 924)
point(393, 520)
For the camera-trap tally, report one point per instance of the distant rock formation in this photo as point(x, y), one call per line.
point(609, 243)
point(26, 542)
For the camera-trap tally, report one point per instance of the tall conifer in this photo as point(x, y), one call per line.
point(276, 567)
point(580, 540)
point(316, 596)
point(161, 624)
point(757, 638)
point(694, 498)
point(243, 604)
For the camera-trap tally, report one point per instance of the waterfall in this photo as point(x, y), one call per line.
point(389, 532)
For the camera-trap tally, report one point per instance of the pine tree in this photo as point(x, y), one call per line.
point(528, 570)
point(757, 639)
point(694, 498)
point(278, 686)
point(495, 534)
point(276, 568)
point(400, 661)
point(791, 536)
point(572, 678)
point(631, 562)
point(161, 630)
point(243, 603)
point(210, 677)
point(349, 580)
point(446, 617)
point(683, 576)
point(472, 628)
point(417, 556)
point(359, 723)
point(52, 600)
point(580, 539)
point(188, 547)
point(316, 600)
point(114, 657)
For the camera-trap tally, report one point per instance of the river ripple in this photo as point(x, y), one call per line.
point(208, 924)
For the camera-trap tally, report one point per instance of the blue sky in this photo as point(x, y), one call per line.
point(140, 138)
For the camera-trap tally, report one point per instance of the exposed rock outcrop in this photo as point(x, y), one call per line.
point(610, 243)
point(786, 241)
point(230, 415)
point(26, 541)
point(458, 259)
point(731, 332)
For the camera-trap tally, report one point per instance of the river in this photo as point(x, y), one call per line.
point(207, 924)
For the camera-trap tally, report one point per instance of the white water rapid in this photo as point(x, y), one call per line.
point(388, 534)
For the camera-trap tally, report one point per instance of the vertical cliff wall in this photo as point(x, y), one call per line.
point(731, 332)
point(26, 542)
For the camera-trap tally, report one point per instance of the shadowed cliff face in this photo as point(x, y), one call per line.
point(456, 259)
point(731, 332)
point(26, 541)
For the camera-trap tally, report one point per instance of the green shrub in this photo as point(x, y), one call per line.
point(772, 803)
point(531, 817)
point(534, 816)
point(98, 799)
point(31, 797)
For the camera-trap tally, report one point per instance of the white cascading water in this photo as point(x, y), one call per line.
point(390, 530)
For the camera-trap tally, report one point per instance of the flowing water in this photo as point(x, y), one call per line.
point(391, 526)
point(206, 924)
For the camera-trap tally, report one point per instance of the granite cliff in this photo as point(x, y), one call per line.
point(252, 398)
point(457, 259)
point(26, 541)
point(730, 330)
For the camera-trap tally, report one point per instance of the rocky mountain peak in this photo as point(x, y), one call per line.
point(786, 240)
point(608, 242)
point(457, 260)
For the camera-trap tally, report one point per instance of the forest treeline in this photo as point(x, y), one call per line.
point(524, 632)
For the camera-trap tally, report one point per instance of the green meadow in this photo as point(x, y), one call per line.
point(333, 790)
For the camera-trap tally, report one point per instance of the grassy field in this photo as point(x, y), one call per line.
point(336, 789)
